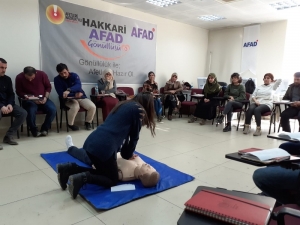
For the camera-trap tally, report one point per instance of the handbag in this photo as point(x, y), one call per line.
point(180, 96)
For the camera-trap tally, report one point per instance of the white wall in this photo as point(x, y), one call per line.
point(226, 50)
point(180, 48)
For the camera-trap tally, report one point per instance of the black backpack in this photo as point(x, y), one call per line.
point(250, 86)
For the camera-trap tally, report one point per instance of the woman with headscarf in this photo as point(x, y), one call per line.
point(108, 85)
point(171, 90)
point(206, 108)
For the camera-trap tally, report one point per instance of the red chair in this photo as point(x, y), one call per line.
point(63, 107)
point(288, 214)
point(128, 90)
point(140, 89)
point(188, 107)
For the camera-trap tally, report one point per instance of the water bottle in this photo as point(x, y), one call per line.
point(96, 90)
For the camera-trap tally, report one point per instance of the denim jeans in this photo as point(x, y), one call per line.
point(31, 108)
point(279, 183)
point(158, 107)
point(292, 148)
point(80, 154)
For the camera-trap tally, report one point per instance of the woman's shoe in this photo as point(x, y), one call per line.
point(169, 117)
point(192, 120)
point(227, 128)
point(257, 132)
point(202, 122)
point(246, 129)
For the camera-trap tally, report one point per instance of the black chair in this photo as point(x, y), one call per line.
point(11, 121)
point(65, 108)
point(38, 112)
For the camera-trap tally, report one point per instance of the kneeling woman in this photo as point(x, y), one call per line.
point(123, 123)
point(234, 93)
point(206, 108)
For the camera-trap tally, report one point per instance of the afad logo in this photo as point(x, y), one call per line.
point(55, 14)
point(250, 44)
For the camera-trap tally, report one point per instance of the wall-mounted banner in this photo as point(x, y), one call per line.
point(89, 40)
point(250, 48)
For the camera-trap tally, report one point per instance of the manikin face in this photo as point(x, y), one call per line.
point(30, 78)
point(211, 79)
point(267, 80)
point(3, 67)
point(145, 169)
point(64, 74)
point(296, 80)
point(174, 78)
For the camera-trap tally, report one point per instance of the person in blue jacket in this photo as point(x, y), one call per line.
point(119, 133)
point(68, 87)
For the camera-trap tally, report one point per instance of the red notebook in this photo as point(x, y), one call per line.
point(229, 208)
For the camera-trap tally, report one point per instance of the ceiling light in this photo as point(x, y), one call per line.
point(285, 4)
point(211, 18)
point(163, 3)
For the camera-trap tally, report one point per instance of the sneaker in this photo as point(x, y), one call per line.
point(69, 141)
point(44, 133)
point(76, 182)
point(1, 147)
point(220, 119)
point(227, 128)
point(246, 129)
point(64, 170)
point(202, 122)
point(88, 126)
point(257, 132)
point(159, 118)
point(73, 127)
point(192, 120)
point(10, 140)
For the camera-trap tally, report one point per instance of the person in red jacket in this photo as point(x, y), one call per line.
point(35, 83)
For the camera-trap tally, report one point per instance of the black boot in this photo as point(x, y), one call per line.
point(64, 170)
point(227, 128)
point(76, 182)
point(88, 126)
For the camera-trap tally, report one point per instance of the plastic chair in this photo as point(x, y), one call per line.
point(187, 107)
point(65, 108)
point(38, 112)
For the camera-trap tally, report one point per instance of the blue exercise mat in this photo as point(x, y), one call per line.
point(102, 198)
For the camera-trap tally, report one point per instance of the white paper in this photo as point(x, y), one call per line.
point(123, 187)
point(290, 135)
point(269, 154)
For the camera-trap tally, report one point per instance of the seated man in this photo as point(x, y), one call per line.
point(7, 105)
point(131, 169)
point(281, 182)
point(292, 94)
point(32, 82)
point(68, 85)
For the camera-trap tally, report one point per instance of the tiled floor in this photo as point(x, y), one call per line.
point(30, 194)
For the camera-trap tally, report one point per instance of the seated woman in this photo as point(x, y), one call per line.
point(261, 102)
point(151, 86)
point(173, 95)
point(108, 85)
point(234, 92)
point(123, 123)
point(131, 169)
point(206, 108)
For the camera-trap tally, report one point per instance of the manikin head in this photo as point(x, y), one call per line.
point(147, 174)
point(268, 78)
point(29, 73)
point(174, 77)
point(63, 70)
point(297, 78)
point(151, 76)
point(3, 67)
point(108, 74)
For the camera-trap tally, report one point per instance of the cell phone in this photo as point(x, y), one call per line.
point(41, 97)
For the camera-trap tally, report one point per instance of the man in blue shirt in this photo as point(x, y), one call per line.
point(68, 87)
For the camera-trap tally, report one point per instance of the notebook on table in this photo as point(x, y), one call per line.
point(244, 151)
point(230, 207)
point(268, 156)
point(290, 135)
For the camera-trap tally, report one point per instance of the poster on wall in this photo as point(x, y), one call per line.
point(89, 41)
point(250, 48)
